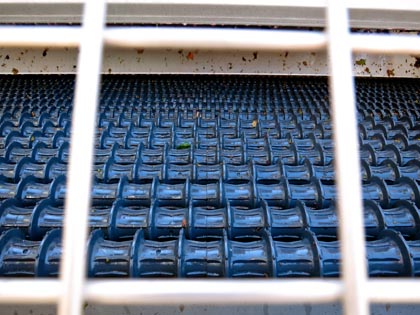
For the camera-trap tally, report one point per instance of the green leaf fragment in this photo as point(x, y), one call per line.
point(361, 62)
point(184, 145)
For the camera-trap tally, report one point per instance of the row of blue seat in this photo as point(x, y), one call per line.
point(177, 168)
point(279, 192)
point(209, 151)
point(285, 256)
point(121, 219)
point(256, 125)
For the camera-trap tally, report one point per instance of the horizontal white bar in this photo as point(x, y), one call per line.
point(29, 291)
point(382, 14)
point(25, 291)
point(228, 39)
point(39, 36)
point(212, 291)
point(407, 5)
point(214, 38)
point(386, 44)
point(199, 38)
point(205, 38)
point(393, 290)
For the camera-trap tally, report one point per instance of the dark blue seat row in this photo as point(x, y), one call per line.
point(278, 192)
point(297, 256)
point(123, 218)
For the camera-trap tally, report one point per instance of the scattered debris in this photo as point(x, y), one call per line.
point(190, 56)
point(361, 62)
point(390, 72)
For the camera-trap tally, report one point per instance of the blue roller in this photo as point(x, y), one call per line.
point(182, 154)
point(244, 194)
point(152, 156)
point(49, 214)
point(286, 221)
point(231, 156)
point(126, 156)
point(206, 222)
point(107, 258)
point(388, 256)
point(15, 151)
point(113, 171)
point(154, 259)
point(20, 257)
point(8, 170)
point(165, 221)
point(246, 222)
point(126, 218)
point(176, 173)
point(237, 173)
point(201, 258)
point(7, 126)
point(101, 156)
point(296, 257)
point(250, 258)
point(207, 174)
point(284, 194)
point(146, 173)
point(16, 214)
point(41, 153)
point(211, 194)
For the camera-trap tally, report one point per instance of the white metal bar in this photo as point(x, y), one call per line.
point(155, 292)
point(29, 291)
point(213, 38)
point(205, 38)
point(386, 44)
point(146, 37)
point(199, 38)
point(406, 5)
point(40, 36)
point(348, 181)
point(73, 263)
point(393, 290)
point(160, 292)
point(382, 14)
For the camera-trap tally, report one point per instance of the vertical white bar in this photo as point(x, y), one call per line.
point(351, 232)
point(73, 265)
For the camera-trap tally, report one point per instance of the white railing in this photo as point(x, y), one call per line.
point(387, 14)
point(71, 290)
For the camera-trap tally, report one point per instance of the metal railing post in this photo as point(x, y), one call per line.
point(348, 181)
point(73, 264)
